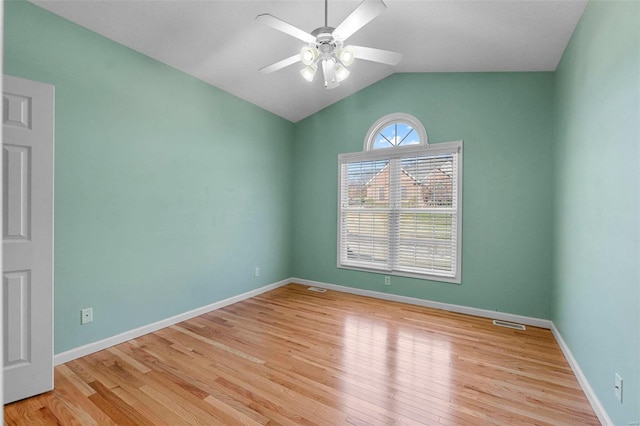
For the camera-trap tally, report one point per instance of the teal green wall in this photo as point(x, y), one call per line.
point(154, 217)
point(506, 123)
point(596, 297)
point(168, 192)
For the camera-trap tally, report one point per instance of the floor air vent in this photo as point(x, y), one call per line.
point(509, 325)
point(317, 289)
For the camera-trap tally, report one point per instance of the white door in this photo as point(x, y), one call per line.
point(27, 280)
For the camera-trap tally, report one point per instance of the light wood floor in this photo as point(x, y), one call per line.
point(292, 356)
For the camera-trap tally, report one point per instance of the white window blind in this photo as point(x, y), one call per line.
point(399, 211)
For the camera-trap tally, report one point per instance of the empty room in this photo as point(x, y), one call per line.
point(321, 212)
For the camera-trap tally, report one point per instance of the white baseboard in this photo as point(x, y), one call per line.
point(90, 348)
point(582, 380)
point(534, 322)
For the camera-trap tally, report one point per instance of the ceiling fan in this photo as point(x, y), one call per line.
point(326, 45)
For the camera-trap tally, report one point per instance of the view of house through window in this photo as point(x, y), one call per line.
point(399, 207)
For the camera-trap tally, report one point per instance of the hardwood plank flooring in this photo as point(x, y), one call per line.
point(292, 356)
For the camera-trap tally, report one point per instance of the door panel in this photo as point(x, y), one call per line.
point(27, 280)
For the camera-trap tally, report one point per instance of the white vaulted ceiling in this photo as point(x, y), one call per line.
point(220, 43)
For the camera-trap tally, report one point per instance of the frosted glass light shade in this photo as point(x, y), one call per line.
point(308, 55)
point(346, 55)
point(341, 72)
point(308, 72)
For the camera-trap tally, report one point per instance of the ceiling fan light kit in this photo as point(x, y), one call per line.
point(346, 55)
point(341, 72)
point(309, 55)
point(309, 71)
point(325, 45)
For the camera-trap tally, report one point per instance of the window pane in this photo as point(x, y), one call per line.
point(365, 237)
point(429, 181)
point(389, 133)
point(406, 135)
point(382, 142)
point(367, 184)
point(426, 241)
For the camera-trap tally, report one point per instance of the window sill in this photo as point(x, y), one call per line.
point(435, 278)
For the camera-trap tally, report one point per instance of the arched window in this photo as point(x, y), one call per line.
point(394, 130)
point(399, 204)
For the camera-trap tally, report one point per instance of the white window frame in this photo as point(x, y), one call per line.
point(399, 152)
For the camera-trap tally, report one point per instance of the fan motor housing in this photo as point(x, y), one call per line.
point(322, 31)
point(324, 35)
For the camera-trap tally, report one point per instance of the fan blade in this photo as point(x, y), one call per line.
point(285, 27)
point(361, 16)
point(377, 55)
point(280, 64)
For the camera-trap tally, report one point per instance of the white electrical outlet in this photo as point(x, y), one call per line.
point(257, 272)
point(387, 280)
point(86, 316)
point(617, 386)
